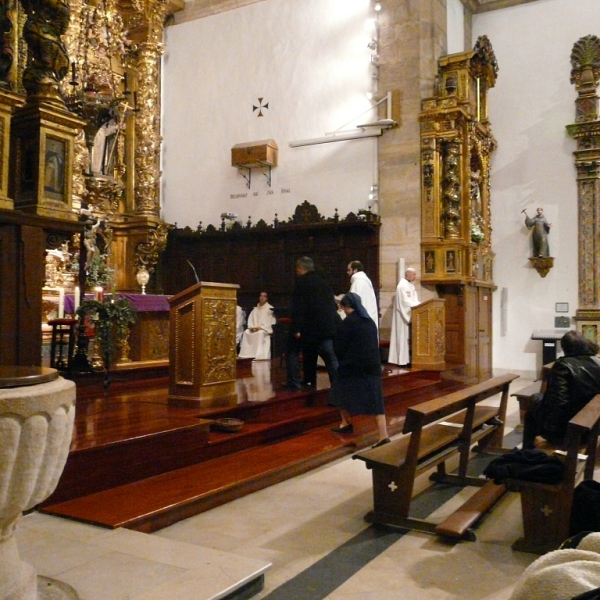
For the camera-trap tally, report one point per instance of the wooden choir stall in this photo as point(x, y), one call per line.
point(202, 349)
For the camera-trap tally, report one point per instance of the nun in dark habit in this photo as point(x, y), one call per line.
point(358, 389)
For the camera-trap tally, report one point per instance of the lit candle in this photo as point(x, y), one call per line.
point(76, 299)
point(61, 303)
point(98, 293)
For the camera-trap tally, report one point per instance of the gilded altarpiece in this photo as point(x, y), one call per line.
point(585, 75)
point(456, 255)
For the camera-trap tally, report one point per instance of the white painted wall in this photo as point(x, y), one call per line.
point(530, 106)
point(455, 26)
point(310, 62)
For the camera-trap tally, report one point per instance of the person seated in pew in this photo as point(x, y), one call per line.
point(571, 383)
point(256, 341)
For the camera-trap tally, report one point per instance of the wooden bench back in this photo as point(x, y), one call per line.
point(586, 421)
point(428, 412)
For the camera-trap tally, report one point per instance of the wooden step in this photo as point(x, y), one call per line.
point(160, 501)
point(104, 466)
point(169, 478)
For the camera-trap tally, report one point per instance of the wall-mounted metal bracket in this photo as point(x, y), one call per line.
point(247, 177)
point(266, 171)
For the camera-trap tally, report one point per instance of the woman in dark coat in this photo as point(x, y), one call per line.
point(358, 390)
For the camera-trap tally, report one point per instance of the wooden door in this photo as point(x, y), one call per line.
point(484, 318)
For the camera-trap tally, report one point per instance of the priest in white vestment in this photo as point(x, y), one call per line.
point(405, 298)
point(360, 284)
point(256, 341)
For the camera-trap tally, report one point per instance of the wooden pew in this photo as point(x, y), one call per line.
point(547, 508)
point(524, 395)
point(436, 431)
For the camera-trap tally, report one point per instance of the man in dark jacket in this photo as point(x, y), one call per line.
point(312, 328)
point(572, 382)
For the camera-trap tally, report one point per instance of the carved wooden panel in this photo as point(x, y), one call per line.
point(218, 340)
point(185, 346)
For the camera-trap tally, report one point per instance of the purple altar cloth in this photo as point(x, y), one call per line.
point(141, 302)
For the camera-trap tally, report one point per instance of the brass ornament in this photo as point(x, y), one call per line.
point(147, 253)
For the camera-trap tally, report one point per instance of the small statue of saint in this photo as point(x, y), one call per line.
point(540, 228)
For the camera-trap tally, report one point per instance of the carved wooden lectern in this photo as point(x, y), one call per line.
point(202, 348)
point(428, 344)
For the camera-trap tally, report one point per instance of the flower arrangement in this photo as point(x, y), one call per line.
point(112, 321)
point(476, 233)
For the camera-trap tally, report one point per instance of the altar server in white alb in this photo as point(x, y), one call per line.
point(360, 284)
point(256, 341)
point(406, 297)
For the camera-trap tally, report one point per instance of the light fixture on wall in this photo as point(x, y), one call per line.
point(373, 44)
point(373, 203)
point(377, 6)
point(366, 130)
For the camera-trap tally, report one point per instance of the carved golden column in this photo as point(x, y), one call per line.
point(585, 74)
point(147, 123)
point(9, 59)
point(139, 233)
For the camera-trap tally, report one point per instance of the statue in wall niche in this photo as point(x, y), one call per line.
point(540, 228)
point(477, 222)
point(47, 21)
point(6, 42)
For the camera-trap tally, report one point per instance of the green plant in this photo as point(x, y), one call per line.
point(99, 273)
point(112, 321)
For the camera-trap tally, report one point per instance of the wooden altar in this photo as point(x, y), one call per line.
point(202, 349)
point(149, 337)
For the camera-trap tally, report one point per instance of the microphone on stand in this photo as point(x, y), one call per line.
point(194, 269)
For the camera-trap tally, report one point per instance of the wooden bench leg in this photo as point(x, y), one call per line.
point(391, 495)
point(546, 516)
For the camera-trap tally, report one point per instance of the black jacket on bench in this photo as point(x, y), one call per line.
point(573, 381)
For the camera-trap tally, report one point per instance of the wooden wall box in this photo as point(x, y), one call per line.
point(255, 154)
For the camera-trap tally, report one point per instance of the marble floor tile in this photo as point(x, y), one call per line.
point(290, 526)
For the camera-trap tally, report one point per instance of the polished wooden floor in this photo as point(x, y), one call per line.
point(138, 462)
